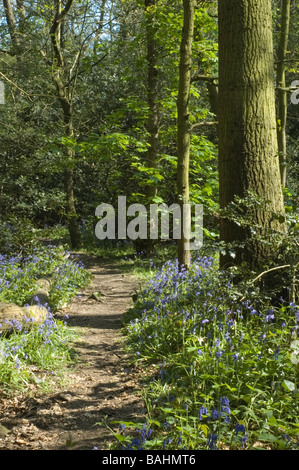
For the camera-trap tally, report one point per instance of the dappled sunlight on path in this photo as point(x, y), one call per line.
point(101, 385)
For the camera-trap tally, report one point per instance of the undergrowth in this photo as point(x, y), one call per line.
point(35, 356)
point(222, 364)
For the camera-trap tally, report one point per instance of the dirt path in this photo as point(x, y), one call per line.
point(101, 385)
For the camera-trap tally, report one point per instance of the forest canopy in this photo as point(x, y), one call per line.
point(126, 126)
point(108, 99)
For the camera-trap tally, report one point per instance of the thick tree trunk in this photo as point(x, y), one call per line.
point(281, 90)
point(183, 128)
point(248, 152)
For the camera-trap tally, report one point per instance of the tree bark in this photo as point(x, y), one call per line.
point(248, 151)
point(152, 99)
point(16, 32)
point(281, 90)
point(183, 128)
point(11, 23)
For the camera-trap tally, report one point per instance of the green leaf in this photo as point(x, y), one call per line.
point(288, 385)
point(231, 389)
point(204, 428)
point(120, 437)
point(152, 421)
point(265, 436)
point(272, 421)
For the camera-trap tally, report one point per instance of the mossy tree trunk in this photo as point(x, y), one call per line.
point(183, 128)
point(248, 151)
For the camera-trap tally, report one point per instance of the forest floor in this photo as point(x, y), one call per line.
point(102, 383)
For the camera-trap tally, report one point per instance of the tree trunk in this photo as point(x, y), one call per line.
point(183, 128)
point(72, 218)
point(281, 90)
point(11, 23)
point(248, 152)
point(152, 99)
point(65, 98)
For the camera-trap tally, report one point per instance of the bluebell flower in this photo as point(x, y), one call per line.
point(219, 353)
point(203, 412)
point(276, 353)
point(239, 428)
point(136, 443)
point(212, 439)
point(167, 426)
point(166, 442)
point(225, 408)
point(270, 316)
point(122, 428)
point(215, 414)
point(243, 441)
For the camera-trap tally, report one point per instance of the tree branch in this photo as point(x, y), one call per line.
point(15, 85)
point(203, 123)
point(205, 78)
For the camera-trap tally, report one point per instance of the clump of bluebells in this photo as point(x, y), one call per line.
point(31, 346)
point(18, 275)
point(225, 365)
point(207, 431)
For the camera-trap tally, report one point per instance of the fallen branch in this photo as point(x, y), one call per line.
point(269, 271)
point(266, 272)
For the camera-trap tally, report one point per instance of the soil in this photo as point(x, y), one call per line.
point(102, 383)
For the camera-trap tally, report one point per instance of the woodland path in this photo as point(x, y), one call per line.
point(101, 384)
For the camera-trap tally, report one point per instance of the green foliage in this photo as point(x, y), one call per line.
point(35, 357)
point(221, 365)
point(18, 276)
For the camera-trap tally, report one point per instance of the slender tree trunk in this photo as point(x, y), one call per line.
point(22, 15)
point(11, 23)
point(73, 225)
point(152, 99)
point(281, 90)
point(65, 98)
point(183, 128)
point(248, 152)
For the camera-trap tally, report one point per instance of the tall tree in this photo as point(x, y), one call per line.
point(183, 129)
point(152, 99)
point(65, 70)
point(281, 89)
point(248, 153)
point(61, 75)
